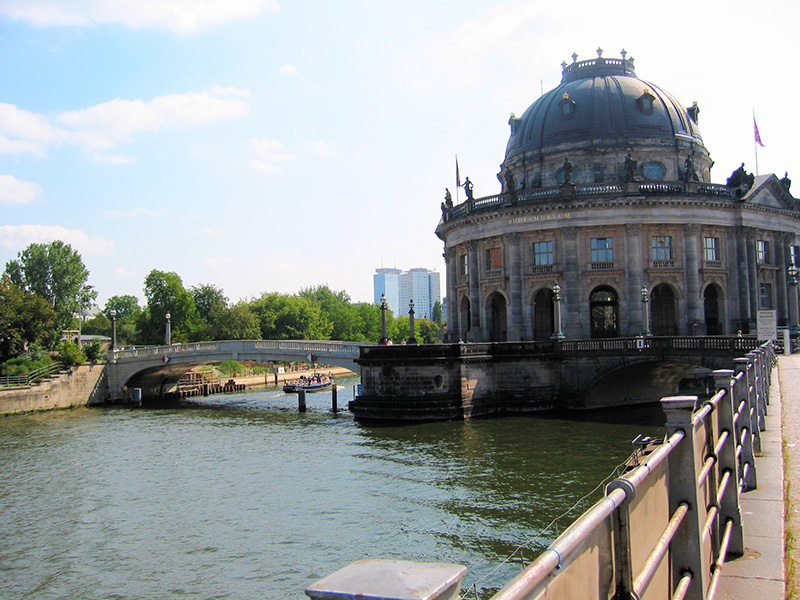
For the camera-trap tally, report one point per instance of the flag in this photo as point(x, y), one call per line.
point(755, 132)
point(458, 177)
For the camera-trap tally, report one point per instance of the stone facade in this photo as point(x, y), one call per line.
point(606, 189)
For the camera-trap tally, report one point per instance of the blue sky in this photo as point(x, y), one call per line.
point(267, 145)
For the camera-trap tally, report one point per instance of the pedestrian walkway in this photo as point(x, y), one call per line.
point(761, 574)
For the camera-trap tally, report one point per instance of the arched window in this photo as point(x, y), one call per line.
point(604, 310)
point(711, 304)
point(662, 302)
point(498, 318)
point(465, 314)
point(543, 321)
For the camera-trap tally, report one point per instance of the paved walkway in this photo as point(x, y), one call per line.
point(761, 573)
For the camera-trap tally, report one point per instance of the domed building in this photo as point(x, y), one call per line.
point(608, 224)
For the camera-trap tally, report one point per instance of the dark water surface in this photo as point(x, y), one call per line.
point(240, 496)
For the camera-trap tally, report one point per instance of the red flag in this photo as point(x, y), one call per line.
point(755, 132)
point(458, 177)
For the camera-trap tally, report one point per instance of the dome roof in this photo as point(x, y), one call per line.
point(602, 99)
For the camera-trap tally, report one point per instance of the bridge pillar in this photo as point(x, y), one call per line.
point(687, 550)
point(301, 401)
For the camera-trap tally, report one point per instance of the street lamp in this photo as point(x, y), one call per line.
point(113, 314)
point(169, 331)
point(557, 334)
point(383, 319)
point(645, 312)
point(794, 327)
point(411, 339)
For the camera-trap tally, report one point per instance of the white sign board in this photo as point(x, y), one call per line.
point(767, 324)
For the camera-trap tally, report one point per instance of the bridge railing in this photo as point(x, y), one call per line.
point(667, 525)
point(332, 347)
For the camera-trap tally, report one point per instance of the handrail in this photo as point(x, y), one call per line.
point(33, 376)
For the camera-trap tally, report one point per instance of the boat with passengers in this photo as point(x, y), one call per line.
point(316, 383)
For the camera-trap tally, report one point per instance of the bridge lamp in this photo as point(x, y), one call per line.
point(645, 312)
point(557, 334)
point(169, 331)
point(383, 319)
point(794, 328)
point(113, 314)
point(411, 339)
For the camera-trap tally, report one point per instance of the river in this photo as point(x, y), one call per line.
point(241, 497)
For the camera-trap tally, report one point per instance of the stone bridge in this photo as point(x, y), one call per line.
point(157, 369)
point(455, 381)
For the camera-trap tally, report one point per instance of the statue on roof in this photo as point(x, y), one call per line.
point(468, 188)
point(630, 168)
point(448, 199)
point(568, 168)
point(787, 183)
point(510, 182)
point(694, 112)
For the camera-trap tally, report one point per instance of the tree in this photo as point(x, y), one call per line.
point(436, 313)
point(25, 320)
point(283, 317)
point(126, 307)
point(336, 306)
point(56, 273)
point(211, 304)
point(238, 323)
point(165, 293)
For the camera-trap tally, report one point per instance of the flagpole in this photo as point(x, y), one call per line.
point(458, 180)
point(755, 141)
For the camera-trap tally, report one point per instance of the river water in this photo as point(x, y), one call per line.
point(240, 496)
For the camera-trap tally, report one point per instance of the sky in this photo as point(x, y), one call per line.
point(270, 146)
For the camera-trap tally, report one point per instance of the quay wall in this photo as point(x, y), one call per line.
point(83, 385)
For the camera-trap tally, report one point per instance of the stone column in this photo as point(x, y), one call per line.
point(475, 333)
point(515, 331)
point(635, 275)
point(783, 259)
point(731, 302)
point(451, 277)
point(752, 275)
point(572, 296)
point(692, 274)
point(743, 272)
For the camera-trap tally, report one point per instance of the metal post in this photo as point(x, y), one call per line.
point(411, 339)
point(383, 319)
point(645, 312)
point(558, 334)
point(301, 401)
point(169, 332)
point(113, 314)
point(334, 399)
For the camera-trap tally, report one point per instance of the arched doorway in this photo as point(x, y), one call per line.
point(662, 311)
point(465, 318)
point(498, 318)
point(543, 323)
point(604, 309)
point(711, 303)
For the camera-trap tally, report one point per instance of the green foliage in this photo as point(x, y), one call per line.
point(237, 323)
point(229, 367)
point(23, 366)
point(25, 320)
point(337, 308)
point(165, 294)
point(436, 313)
point(94, 351)
point(283, 317)
point(69, 354)
point(127, 307)
point(56, 273)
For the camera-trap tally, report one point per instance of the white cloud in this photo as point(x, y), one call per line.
point(14, 191)
point(115, 159)
point(230, 90)
point(271, 150)
point(289, 69)
point(178, 15)
point(18, 237)
point(264, 167)
point(321, 148)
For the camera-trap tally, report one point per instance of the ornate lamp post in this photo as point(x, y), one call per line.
point(645, 312)
point(113, 314)
point(383, 319)
point(411, 339)
point(169, 331)
point(794, 327)
point(558, 334)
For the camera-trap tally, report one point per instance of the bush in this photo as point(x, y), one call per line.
point(69, 354)
point(229, 367)
point(94, 351)
point(23, 366)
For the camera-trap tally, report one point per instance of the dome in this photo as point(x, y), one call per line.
point(600, 112)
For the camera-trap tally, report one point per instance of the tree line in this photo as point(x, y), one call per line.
point(45, 290)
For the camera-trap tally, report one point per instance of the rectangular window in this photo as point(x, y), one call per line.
point(463, 265)
point(796, 255)
point(711, 249)
point(602, 250)
point(494, 259)
point(762, 252)
point(542, 253)
point(662, 247)
point(765, 295)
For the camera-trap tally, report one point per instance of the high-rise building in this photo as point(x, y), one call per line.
point(400, 287)
point(387, 282)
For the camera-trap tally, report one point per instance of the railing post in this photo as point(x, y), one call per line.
point(622, 541)
point(729, 502)
point(757, 398)
point(747, 433)
point(686, 551)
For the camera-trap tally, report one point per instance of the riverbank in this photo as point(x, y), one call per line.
point(80, 386)
point(266, 379)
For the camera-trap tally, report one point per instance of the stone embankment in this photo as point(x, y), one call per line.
point(80, 386)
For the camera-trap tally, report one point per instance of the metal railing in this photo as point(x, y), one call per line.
point(32, 377)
